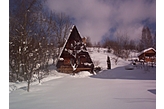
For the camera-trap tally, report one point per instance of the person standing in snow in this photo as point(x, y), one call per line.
point(108, 63)
point(92, 68)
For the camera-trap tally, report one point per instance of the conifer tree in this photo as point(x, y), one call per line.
point(146, 39)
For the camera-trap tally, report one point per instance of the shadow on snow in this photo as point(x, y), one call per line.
point(122, 73)
point(152, 91)
point(133, 100)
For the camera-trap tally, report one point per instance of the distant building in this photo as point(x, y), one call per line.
point(74, 56)
point(148, 55)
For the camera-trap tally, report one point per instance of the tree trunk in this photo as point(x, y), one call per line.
point(39, 77)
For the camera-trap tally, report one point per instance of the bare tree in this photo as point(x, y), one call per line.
point(118, 47)
point(30, 38)
point(121, 46)
point(23, 32)
point(154, 40)
point(88, 42)
point(61, 25)
point(115, 60)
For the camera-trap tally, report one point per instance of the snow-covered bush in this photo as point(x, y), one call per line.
point(82, 74)
point(97, 69)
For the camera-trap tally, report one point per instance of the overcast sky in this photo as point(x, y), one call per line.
point(99, 18)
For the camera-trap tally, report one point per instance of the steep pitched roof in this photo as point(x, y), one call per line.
point(66, 41)
point(73, 35)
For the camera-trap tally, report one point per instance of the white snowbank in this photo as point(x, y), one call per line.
point(14, 86)
point(82, 74)
point(17, 85)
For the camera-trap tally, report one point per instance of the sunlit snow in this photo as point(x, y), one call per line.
point(117, 88)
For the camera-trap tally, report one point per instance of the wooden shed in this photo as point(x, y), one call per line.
point(74, 56)
point(148, 55)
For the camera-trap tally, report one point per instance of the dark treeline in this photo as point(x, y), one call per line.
point(35, 36)
point(122, 45)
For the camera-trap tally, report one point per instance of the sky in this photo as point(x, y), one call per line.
point(106, 18)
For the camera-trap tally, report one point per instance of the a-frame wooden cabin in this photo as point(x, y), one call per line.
point(74, 56)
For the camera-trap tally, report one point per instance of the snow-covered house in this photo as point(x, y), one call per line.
point(74, 56)
point(148, 55)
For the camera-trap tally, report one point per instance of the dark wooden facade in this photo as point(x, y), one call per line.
point(73, 50)
point(148, 55)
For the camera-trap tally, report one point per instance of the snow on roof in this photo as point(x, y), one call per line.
point(66, 41)
point(146, 50)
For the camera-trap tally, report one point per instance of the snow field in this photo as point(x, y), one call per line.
point(117, 88)
point(83, 93)
point(53, 75)
point(101, 56)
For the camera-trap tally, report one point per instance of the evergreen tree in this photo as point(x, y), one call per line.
point(146, 39)
point(108, 62)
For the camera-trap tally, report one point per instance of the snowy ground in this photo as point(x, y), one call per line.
point(117, 88)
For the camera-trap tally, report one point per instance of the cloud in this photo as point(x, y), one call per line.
point(128, 16)
point(94, 18)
